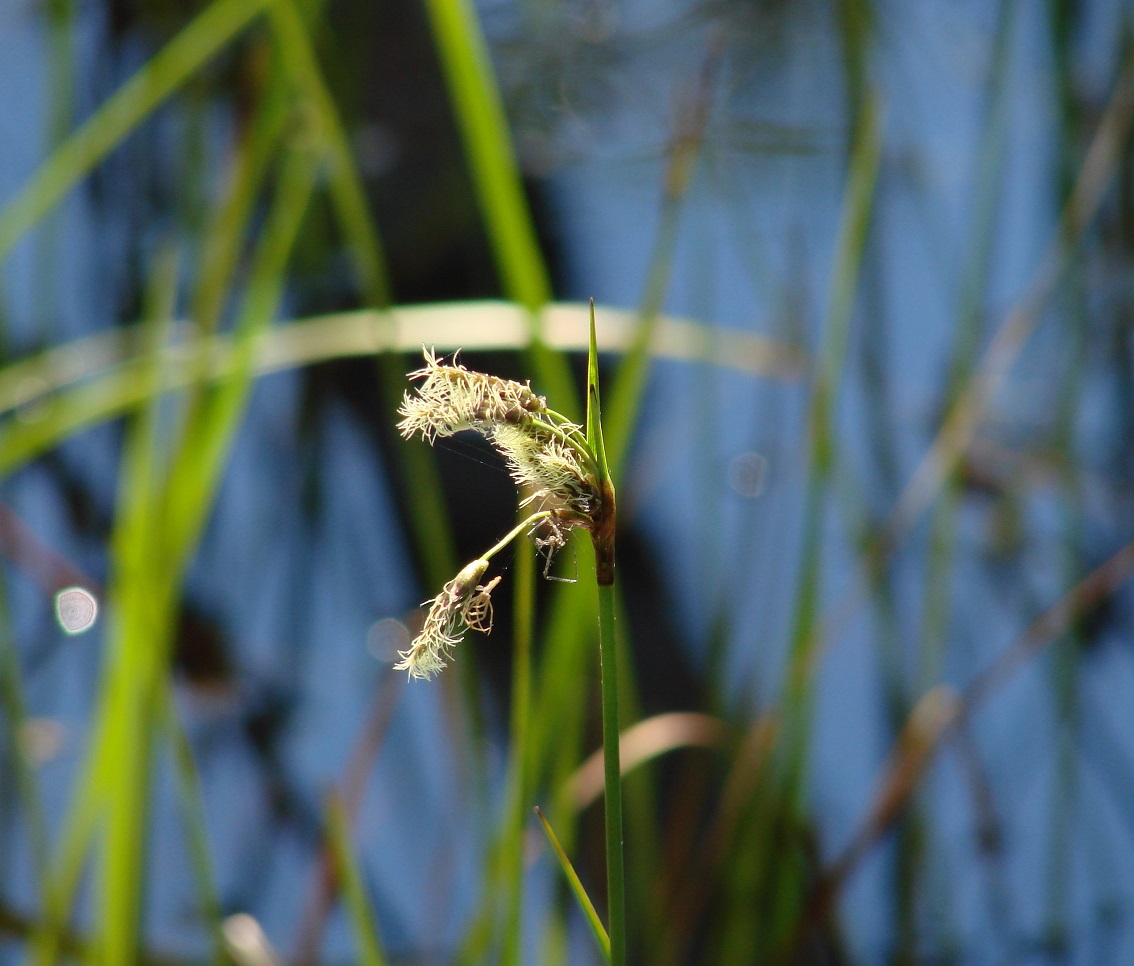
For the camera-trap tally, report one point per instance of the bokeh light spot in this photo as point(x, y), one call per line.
point(386, 637)
point(76, 609)
point(747, 474)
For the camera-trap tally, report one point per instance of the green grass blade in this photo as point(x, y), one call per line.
point(139, 604)
point(862, 178)
point(584, 901)
point(197, 467)
point(226, 231)
point(629, 386)
point(769, 870)
point(488, 144)
point(428, 518)
point(193, 47)
point(348, 194)
point(483, 123)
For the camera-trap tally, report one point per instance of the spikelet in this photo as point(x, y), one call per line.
point(452, 398)
point(463, 603)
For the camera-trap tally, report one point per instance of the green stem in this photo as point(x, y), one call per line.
point(519, 528)
point(615, 872)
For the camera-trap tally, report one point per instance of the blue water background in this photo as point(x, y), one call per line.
point(758, 231)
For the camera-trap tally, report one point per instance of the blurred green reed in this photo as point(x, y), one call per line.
point(736, 876)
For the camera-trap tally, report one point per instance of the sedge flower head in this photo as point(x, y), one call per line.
point(546, 454)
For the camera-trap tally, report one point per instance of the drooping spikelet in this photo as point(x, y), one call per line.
point(463, 603)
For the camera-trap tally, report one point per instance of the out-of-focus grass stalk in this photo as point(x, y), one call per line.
point(772, 866)
point(90, 789)
point(857, 23)
point(1065, 665)
point(429, 520)
point(720, 847)
point(59, 21)
point(626, 396)
point(821, 449)
point(348, 193)
point(362, 918)
point(197, 466)
point(556, 740)
point(50, 934)
point(945, 715)
point(987, 182)
point(225, 232)
point(488, 144)
point(160, 519)
point(174, 520)
point(937, 596)
point(960, 424)
point(483, 124)
point(193, 47)
point(140, 628)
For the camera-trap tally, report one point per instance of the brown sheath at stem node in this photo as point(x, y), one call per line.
point(602, 535)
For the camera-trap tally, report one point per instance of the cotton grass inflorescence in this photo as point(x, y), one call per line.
point(546, 454)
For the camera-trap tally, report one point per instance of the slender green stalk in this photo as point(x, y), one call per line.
point(570, 479)
point(566, 652)
point(483, 124)
point(612, 772)
point(428, 518)
point(78, 830)
point(344, 180)
point(603, 538)
point(488, 144)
